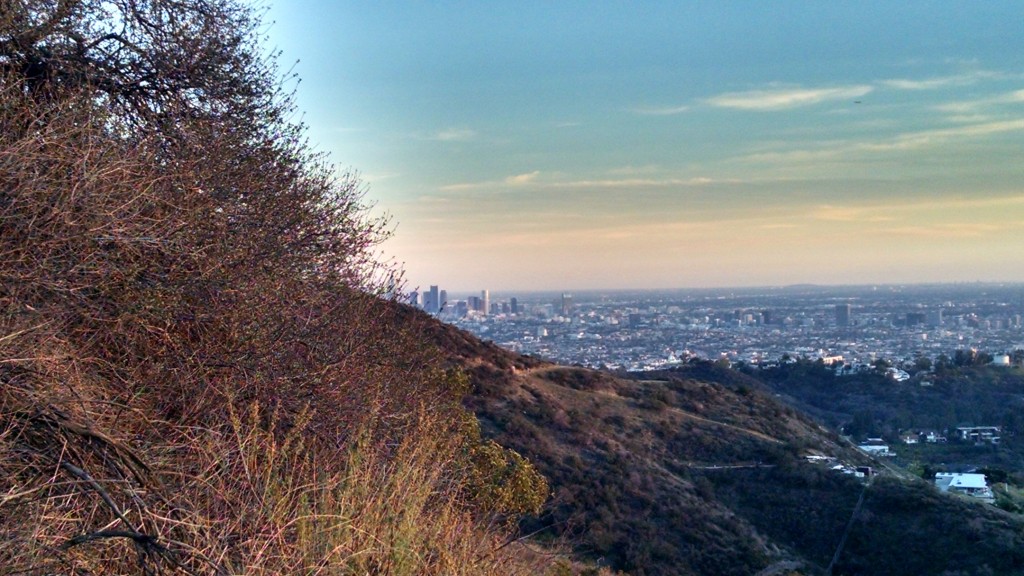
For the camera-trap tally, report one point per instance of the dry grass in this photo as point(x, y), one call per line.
point(197, 376)
point(241, 500)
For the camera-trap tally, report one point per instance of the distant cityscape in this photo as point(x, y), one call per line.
point(646, 330)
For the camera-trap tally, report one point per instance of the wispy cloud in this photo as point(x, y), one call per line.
point(894, 211)
point(968, 118)
point(520, 179)
point(930, 84)
point(832, 213)
point(660, 110)
point(946, 231)
point(635, 183)
point(965, 107)
point(634, 170)
point(926, 138)
point(531, 179)
point(467, 186)
point(513, 180)
point(430, 199)
point(965, 79)
point(454, 135)
point(901, 142)
point(781, 99)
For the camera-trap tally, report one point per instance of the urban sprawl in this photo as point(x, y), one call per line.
point(647, 330)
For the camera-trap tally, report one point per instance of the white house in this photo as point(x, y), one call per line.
point(967, 484)
point(979, 434)
point(875, 447)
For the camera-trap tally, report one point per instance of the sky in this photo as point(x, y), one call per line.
point(626, 145)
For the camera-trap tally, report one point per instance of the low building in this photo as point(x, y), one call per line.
point(918, 436)
point(973, 485)
point(979, 434)
point(875, 447)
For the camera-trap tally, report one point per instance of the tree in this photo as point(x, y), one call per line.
point(153, 63)
point(881, 365)
point(173, 254)
point(963, 357)
point(206, 250)
point(922, 364)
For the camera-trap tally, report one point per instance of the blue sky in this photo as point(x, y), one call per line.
point(571, 145)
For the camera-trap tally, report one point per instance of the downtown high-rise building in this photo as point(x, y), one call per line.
point(432, 301)
point(485, 301)
point(843, 312)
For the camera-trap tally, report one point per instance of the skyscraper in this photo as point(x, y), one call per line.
point(432, 301)
point(842, 314)
point(485, 301)
point(442, 301)
point(566, 304)
point(514, 303)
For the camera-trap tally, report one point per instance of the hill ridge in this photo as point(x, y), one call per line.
point(702, 470)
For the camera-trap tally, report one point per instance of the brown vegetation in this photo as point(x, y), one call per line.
point(698, 470)
point(198, 369)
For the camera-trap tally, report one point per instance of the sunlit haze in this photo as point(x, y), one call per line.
point(572, 145)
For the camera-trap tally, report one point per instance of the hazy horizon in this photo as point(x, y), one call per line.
point(569, 146)
point(892, 287)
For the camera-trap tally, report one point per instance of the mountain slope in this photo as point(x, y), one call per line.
point(700, 471)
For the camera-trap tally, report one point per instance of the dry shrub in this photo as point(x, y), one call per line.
point(244, 500)
point(198, 370)
point(377, 513)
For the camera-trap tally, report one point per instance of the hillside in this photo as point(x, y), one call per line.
point(205, 368)
point(701, 471)
point(201, 369)
point(937, 400)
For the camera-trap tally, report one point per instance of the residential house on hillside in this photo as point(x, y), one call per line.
point(875, 447)
point(973, 485)
point(928, 436)
point(979, 434)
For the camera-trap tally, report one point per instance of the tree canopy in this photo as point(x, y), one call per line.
point(152, 62)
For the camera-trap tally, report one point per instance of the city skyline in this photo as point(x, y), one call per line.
point(571, 146)
point(848, 326)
